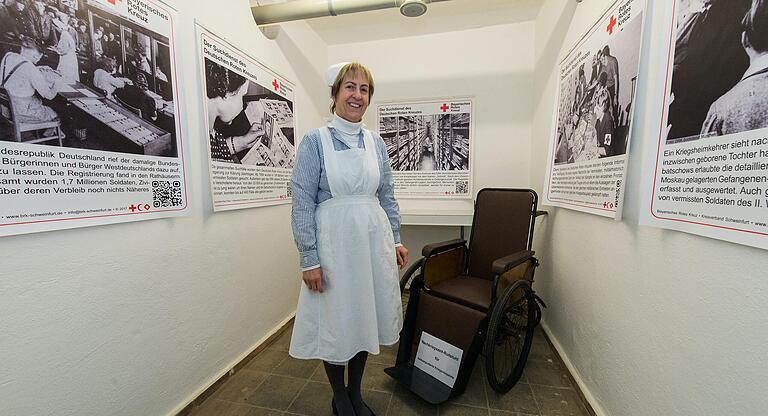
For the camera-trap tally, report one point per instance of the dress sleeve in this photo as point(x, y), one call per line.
point(713, 123)
point(43, 87)
point(305, 183)
point(386, 191)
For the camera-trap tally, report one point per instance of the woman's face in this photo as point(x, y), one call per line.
point(352, 99)
point(232, 104)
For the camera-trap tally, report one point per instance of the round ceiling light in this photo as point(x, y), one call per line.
point(413, 8)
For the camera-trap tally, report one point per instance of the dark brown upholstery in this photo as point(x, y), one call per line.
point(447, 265)
point(521, 272)
point(469, 291)
point(458, 324)
point(501, 226)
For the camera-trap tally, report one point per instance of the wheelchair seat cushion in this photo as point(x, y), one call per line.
point(473, 292)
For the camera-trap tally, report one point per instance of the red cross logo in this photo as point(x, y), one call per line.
point(133, 208)
point(444, 107)
point(112, 2)
point(611, 24)
point(275, 84)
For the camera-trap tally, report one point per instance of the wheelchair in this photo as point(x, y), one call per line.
point(478, 297)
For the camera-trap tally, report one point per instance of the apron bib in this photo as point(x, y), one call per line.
point(360, 307)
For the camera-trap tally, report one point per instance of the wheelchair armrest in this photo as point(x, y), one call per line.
point(437, 248)
point(506, 263)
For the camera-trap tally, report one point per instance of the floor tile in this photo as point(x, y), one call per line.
point(519, 399)
point(284, 342)
point(546, 373)
point(319, 375)
point(293, 367)
point(378, 401)
point(410, 405)
point(276, 392)
point(558, 402)
point(460, 410)
point(240, 386)
point(541, 350)
point(273, 383)
point(474, 395)
point(313, 399)
point(375, 378)
point(386, 356)
point(214, 407)
point(267, 360)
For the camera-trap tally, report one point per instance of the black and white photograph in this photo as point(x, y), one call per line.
point(709, 171)
point(592, 129)
point(595, 100)
point(250, 119)
point(437, 142)
point(89, 116)
point(429, 143)
point(77, 74)
point(719, 70)
point(250, 124)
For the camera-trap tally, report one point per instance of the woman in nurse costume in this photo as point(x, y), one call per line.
point(346, 223)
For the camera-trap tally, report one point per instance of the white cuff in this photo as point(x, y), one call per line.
point(398, 245)
point(304, 269)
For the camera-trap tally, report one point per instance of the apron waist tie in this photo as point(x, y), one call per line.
point(349, 200)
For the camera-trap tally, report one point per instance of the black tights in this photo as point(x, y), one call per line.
point(348, 398)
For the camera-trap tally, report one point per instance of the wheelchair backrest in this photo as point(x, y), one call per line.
point(502, 225)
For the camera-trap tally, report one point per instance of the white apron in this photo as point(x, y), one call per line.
point(360, 307)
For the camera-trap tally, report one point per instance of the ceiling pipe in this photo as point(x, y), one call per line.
point(308, 9)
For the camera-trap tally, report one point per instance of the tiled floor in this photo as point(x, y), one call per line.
point(275, 384)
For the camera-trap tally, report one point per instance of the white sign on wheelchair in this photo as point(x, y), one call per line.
point(438, 358)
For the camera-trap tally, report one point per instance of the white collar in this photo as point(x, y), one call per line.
point(345, 126)
point(757, 65)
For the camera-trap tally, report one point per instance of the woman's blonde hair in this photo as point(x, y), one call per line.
point(351, 68)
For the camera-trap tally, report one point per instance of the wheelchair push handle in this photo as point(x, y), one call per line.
point(409, 273)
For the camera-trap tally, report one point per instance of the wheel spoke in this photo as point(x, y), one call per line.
point(508, 339)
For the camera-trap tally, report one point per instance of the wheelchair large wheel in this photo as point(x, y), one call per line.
point(509, 336)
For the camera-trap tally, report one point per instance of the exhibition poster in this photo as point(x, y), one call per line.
point(592, 123)
point(251, 127)
point(89, 116)
point(707, 173)
point(429, 144)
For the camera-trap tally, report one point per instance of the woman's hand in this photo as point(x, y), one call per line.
point(247, 141)
point(313, 279)
point(402, 256)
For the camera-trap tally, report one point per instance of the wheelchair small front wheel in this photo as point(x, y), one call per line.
point(509, 336)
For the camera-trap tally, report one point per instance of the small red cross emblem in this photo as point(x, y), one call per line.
point(112, 2)
point(133, 208)
point(275, 84)
point(611, 24)
point(444, 107)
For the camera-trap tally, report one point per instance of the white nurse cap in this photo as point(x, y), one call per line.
point(332, 72)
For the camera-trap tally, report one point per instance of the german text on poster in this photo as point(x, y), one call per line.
point(429, 145)
point(708, 170)
point(251, 127)
point(89, 116)
point(597, 80)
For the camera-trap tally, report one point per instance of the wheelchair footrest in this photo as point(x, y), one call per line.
point(424, 385)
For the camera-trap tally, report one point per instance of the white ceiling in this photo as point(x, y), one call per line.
point(444, 16)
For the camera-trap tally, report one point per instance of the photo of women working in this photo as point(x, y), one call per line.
point(346, 224)
point(69, 78)
point(248, 124)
